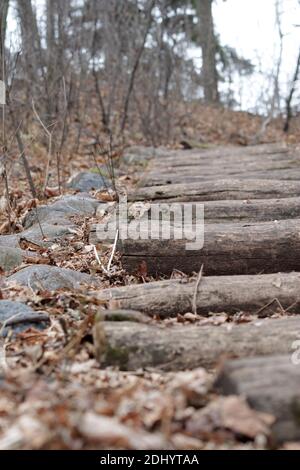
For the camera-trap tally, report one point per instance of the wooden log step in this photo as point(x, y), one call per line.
point(264, 150)
point(228, 158)
point(134, 346)
point(266, 247)
point(271, 385)
point(223, 189)
point(220, 155)
point(198, 176)
point(257, 210)
point(213, 166)
point(199, 162)
point(218, 172)
point(262, 294)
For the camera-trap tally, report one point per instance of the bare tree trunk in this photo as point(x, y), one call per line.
point(276, 93)
point(4, 4)
point(136, 66)
point(31, 42)
point(290, 96)
point(104, 114)
point(209, 47)
point(23, 153)
point(51, 56)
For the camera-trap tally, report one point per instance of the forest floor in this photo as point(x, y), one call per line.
point(91, 359)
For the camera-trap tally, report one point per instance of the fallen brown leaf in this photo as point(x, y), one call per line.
point(231, 413)
point(109, 431)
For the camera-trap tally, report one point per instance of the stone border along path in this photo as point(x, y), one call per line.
point(57, 226)
point(252, 248)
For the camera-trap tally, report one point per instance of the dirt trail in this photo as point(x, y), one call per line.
point(140, 348)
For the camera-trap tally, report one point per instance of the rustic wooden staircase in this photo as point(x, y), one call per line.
point(248, 267)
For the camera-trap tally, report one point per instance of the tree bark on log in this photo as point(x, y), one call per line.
point(192, 158)
point(266, 247)
point(132, 346)
point(264, 210)
point(271, 385)
point(234, 155)
point(213, 166)
point(264, 295)
point(223, 189)
point(257, 210)
point(199, 176)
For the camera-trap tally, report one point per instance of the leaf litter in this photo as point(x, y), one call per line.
point(53, 395)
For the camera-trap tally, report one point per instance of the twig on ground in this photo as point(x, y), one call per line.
point(5, 178)
point(4, 324)
point(49, 135)
point(99, 261)
point(283, 311)
point(99, 169)
point(113, 251)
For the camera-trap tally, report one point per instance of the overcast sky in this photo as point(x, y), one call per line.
point(250, 27)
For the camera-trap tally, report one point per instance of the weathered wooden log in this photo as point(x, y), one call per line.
point(261, 294)
point(221, 151)
point(132, 346)
point(199, 176)
point(266, 247)
point(221, 154)
point(213, 166)
point(271, 385)
point(218, 190)
point(257, 210)
point(187, 159)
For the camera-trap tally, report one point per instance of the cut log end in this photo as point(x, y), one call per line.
point(271, 385)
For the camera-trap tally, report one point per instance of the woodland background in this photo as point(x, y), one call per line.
point(126, 68)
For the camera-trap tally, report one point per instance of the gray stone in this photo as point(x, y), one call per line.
point(61, 210)
point(10, 258)
point(51, 278)
point(141, 155)
point(19, 317)
point(34, 235)
point(9, 241)
point(87, 181)
point(51, 232)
